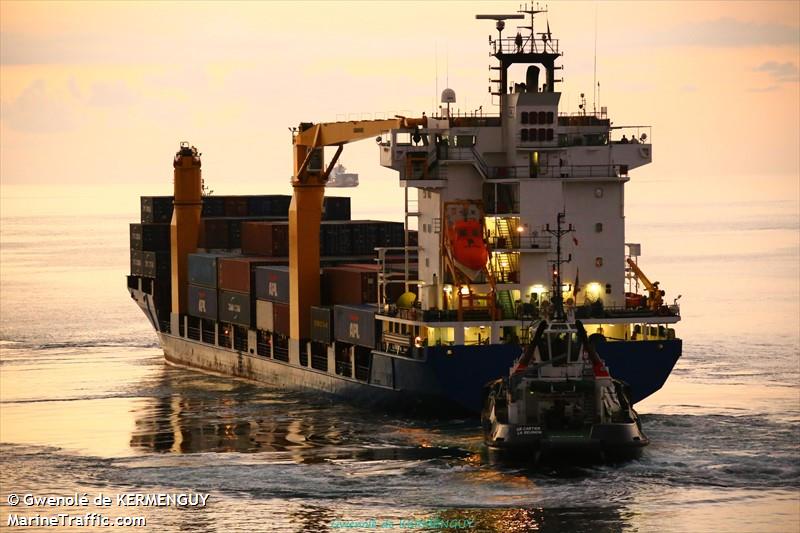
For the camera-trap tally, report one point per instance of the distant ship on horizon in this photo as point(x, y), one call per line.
point(342, 178)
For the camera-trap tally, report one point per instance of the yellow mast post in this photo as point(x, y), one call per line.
point(185, 224)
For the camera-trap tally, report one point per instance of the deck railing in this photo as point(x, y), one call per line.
point(528, 45)
point(521, 242)
point(558, 171)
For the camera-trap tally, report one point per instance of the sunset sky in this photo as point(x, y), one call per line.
point(101, 93)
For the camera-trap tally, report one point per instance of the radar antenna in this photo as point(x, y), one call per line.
point(501, 24)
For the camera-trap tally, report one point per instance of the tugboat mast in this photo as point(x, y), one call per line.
point(558, 299)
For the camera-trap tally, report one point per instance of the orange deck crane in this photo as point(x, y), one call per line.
point(305, 213)
point(655, 296)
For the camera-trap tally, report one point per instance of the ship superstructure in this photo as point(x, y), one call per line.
point(456, 291)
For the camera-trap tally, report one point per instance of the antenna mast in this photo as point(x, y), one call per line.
point(594, 82)
point(436, 62)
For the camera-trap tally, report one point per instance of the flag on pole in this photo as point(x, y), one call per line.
point(577, 288)
point(575, 241)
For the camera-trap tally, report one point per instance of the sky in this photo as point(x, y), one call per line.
point(101, 93)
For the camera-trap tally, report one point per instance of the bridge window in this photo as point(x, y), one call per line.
point(550, 134)
point(533, 117)
point(524, 117)
point(542, 117)
point(549, 117)
point(524, 135)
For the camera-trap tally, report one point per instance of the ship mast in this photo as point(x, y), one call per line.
point(525, 50)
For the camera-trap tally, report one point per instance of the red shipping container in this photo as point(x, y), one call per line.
point(238, 273)
point(280, 318)
point(346, 285)
point(393, 290)
point(265, 238)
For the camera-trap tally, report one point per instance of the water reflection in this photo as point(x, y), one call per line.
point(191, 415)
point(311, 518)
point(573, 519)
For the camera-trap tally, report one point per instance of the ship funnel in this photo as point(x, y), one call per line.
point(532, 79)
point(185, 225)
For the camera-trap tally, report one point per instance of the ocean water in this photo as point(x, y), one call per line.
point(87, 405)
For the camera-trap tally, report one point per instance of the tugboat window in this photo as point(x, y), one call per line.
point(574, 348)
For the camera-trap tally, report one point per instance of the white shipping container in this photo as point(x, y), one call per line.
point(264, 315)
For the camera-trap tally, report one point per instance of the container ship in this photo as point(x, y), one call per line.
point(418, 315)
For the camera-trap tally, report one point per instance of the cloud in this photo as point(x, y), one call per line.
point(40, 108)
point(727, 32)
point(112, 94)
point(767, 89)
point(780, 72)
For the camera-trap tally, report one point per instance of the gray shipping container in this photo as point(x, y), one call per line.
point(355, 324)
point(137, 263)
point(322, 324)
point(156, 208)
point(202, 302)
point(156, 265)
point(203, 269)
point(272, 283)
point(236, 308)
point(150, 237)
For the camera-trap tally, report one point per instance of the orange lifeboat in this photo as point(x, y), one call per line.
point(469, 249)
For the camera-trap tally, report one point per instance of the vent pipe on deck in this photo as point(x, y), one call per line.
point(532, 79)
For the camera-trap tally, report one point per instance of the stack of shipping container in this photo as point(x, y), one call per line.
point(272, 310)
point(203, 294)
point(223, 217)
point(352, 238)
point(150, 244)
point(239, 281)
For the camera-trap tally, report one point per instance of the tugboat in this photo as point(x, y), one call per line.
point(559, 400)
